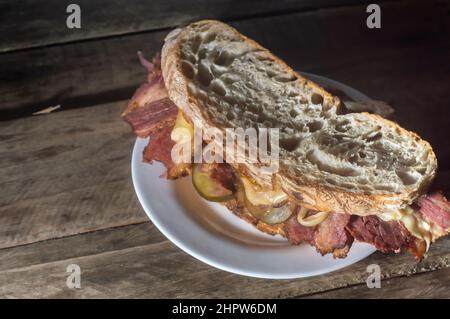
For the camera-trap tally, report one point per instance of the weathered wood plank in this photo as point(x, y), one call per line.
point(94, 72)
point(91, 243)
point(430, 285)
point(66, 173)
point(387, 64)
point(36, 23)
point(74, 75)
point(134, 261)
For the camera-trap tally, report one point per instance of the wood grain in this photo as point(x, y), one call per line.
point(74, 75)
point(66, 193)
point(43, 23)
point(93, 72)
point(66, 173)
point(135, 262)
point(430, 285)
point(86, 244)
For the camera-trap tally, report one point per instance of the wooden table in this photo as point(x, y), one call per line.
point(66, 192)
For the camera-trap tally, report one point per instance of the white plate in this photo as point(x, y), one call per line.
point(212, 234)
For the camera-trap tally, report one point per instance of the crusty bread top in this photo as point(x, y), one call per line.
point(356, 163)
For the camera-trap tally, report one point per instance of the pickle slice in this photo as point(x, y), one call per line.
point(270, 214)
point(208, 188)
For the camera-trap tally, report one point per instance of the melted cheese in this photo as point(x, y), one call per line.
point(182, 131)
point(262, 196)
point(413, 223)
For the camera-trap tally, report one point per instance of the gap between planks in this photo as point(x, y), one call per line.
point(116, 227)
point(158, 23)
point(430, 284)
point(87, 73)
point(136, 261)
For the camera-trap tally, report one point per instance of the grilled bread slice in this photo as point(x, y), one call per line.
point(356, 163)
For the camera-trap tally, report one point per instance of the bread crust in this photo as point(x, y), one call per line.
point(313, 196)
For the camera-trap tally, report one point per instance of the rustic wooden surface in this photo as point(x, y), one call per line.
point(66, 192)
point(35, 24)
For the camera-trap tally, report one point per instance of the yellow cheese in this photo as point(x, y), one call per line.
point(413, 223)
point(312, 220)
point(182, 131)
point(262, 196)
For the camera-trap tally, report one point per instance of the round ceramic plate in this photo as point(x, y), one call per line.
point(212, 234)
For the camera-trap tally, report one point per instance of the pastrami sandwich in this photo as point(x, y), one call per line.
point(340, 176)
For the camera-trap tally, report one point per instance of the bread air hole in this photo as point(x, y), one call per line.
point(293, 113)
point(271, 72)
point(211, 36)
point(316, 98)
point(202, 53)
point(247, 124)
point(353, 159)
point(342, 126)
point(267, 124)
point(373, 137)
point(303, 100)
point(218, 70)
point(292, 93)
point(253, 108)
point(196, 42)
point(327, 162)
point(204, 74)
point(202, 96)
point(230, 116)
point(283, 78)
point(315, 126)
point(187, 69)
point(407, 177)
point(348, 185)
point(188, 56)
point(218, 87)
point(363, 181)
point(290, 144)
point(385, 187)
point(261, 56)
point(422, 170)
point(223, 58)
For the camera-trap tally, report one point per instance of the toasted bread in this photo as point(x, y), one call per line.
point(356, 163)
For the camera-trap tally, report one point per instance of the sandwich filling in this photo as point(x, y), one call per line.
point(152, 114)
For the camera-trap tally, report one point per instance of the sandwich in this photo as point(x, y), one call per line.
point(338, 176)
